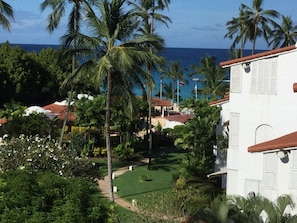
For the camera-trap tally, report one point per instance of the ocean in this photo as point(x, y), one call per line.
point(186, 56)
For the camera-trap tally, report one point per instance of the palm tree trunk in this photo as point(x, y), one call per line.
point(71, 88)
point(107, 136)
point(150, 138)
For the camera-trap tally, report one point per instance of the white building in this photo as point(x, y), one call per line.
point(263, 107)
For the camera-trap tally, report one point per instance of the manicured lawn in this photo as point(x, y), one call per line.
point(159, 179)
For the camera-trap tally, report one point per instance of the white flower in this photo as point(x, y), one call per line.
point(29, 160)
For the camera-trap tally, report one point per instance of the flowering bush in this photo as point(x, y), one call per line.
point(35, 154)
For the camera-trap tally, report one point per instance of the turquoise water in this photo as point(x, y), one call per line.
point(186, 56)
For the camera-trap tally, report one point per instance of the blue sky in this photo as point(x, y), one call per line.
point(195, 23)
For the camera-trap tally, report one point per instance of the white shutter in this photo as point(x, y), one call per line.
point(270, 165)
point(294, 169)
point(261, 77)
point(273, 77)
point(254, 78)
point(235, 85)
point(234, 131)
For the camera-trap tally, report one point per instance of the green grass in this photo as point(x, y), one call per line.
point(159, 178)
point(127, 216)
point(115, 165)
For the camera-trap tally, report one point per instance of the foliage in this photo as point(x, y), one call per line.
point(45, 197)
point(28, 77)
point(249, 209)
point(214, 84)
point(125, 152)
point(6, 12)
point(285, 34)
point(35, 154)
point(175, 205)
point(90, 113)
point(176, 73)
point(252, 22)
point(198, 137)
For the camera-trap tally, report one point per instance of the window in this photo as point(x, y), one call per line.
point(234, 131)
point(235, 85)
point(264, 77)
point(294, 169)
point(270, 165)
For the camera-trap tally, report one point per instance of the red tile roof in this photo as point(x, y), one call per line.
point(3, 121)
point(286, 141)
point(258, 55)
point(179, 118)
point(161, 102)
point(60, 111)
point(225, 99)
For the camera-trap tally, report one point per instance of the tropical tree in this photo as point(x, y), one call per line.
point(215, 80)
point(198, 136)
point(117, 58)
point(258, 21)
point(6, 12)
point(284, 34)
point(167, 90)
point(254, 209)
point(58, 9)
point(237, 27)
point(176, 73)
point(146, 12)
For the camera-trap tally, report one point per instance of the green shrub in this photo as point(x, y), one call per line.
point(35, 154)
point(45, 197)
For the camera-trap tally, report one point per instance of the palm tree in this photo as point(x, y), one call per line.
point(247, 209)
point(176, 73)
point(146, 11)
point(237, 27)
point(117, 59)
point(284, 34)
point(215, 80)
point(58, 9)
point(258, 21)
point(167, 90)
point(6, 11)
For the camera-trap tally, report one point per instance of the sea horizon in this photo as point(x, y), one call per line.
point(186, 56)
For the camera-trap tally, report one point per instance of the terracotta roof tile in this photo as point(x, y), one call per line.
point(258, 55)
point(225, 99)
point(161, 102)
point(3, 121)
point(179, 118)
point(60, 111)
point(286, 141)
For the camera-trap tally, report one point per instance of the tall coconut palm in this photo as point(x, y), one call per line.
point(176, 73)
point(284, 34)
point(75, 17)
point(117, 57)
point(258, 21)
point(6, 12)
point(237, 29)
point(215, 80)
point(146, 10)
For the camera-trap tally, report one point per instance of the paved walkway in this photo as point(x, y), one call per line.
point(103, 186)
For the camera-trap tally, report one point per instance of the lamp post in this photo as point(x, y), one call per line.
point(196, 87)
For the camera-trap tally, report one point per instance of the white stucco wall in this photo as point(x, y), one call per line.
point(171, 124)
point(278, 114)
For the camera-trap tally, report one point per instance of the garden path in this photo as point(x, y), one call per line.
point(103, 186)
